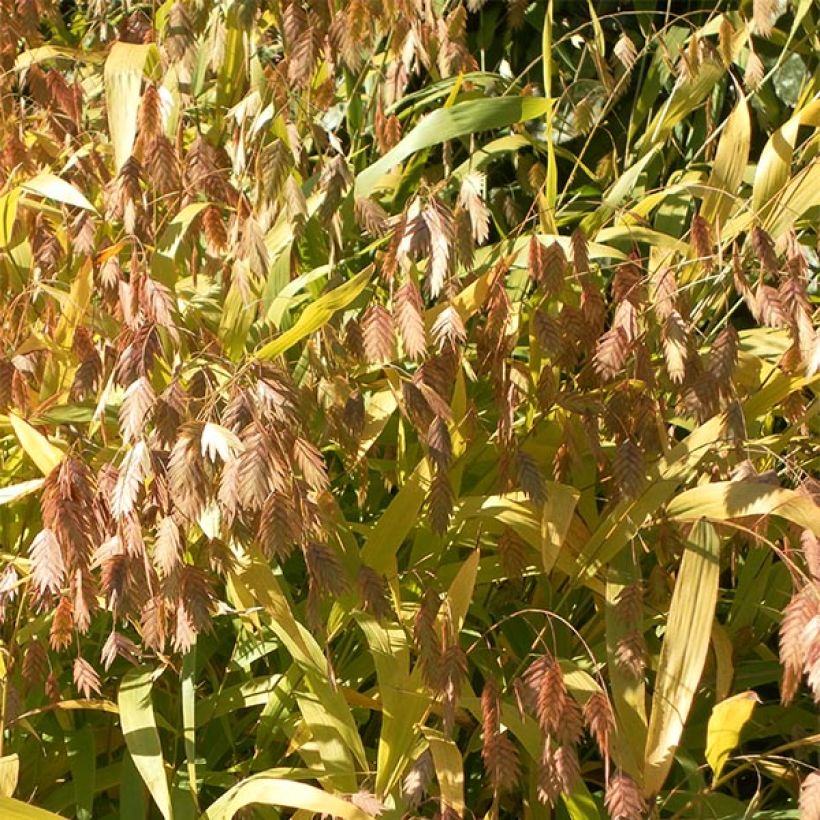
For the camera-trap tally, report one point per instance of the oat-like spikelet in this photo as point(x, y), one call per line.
point(599, 720)
point(623, 798)
point(798, 615)
point(213, 226)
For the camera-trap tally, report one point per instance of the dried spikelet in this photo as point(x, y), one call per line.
point(86, 678)
point(414, 785)
point(553, 269)
point(611, 354)
point(810, 796)
point(754, 71)
point(213, 226)
point(549, 785)
point(726, 34)
point(295, 203)
point(733, 425)
point(114, 580)
point(186, 475)
point(349, 31)
point(273, 165)
point(552, 695)
point(125, 198)
point(536, 260)
point(325, 569)
point(353, 414)
point(631, 654)
point(440, 502)
point(375, 593)
point(311, 464)
point(62, 625)
point(795, 301)
point(387, 129)
point(452, 670)
point(47, 566)
point(567, 767)
point(294, 23)
point(303, 56)
point(167, 553)
point(769, 308)
point(136, 408)
point(35, 663)
point(764, 251)
point(438, 442)
point(448, 330)
point(7, 373)
point(580, 252)
point(810, 545)
point(136, 28)
point(83, 234)
point(675, 341)
point(701, 233)
point(536, 176)
point(418, 409)
point(803, 607)
point(723, 355)
point(370, 216)
point(202, 173)
point(562, 462)
point(132, 472)
point(593, 312)
point(439, 222)
point(627, 282)
point(118, 646)
point(548, 333)
point(408, 312)
point(498, 752)
point(763, 16)
point(811, 664)
point(149, 118)
point(628, 469)
point(599, 720)
point(623, 798)
point(379, 334)
point(629, 605)
point(512, 552)
point(463, 237)
point(626, 52)
point(471, 196)
point(162, 165)
point(153, 624)
point(530, 477)
point(280, 525)
point(426, 637)
point(168, 411)
point(194, 608)
point(571, 730)
point(260, 468)
point(435, 380)
point(334, 181)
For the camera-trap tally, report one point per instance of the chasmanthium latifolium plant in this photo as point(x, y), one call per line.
point(409, 409)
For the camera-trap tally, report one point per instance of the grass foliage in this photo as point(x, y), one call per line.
point(409, 409)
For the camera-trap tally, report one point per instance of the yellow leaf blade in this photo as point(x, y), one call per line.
point(139, 727)
point(683, 655)
point(123, 72)
point(725, 724)
point(273, 791)
point(39, 449)
point(725, 500)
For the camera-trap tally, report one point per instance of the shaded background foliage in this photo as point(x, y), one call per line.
point(409, 409)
